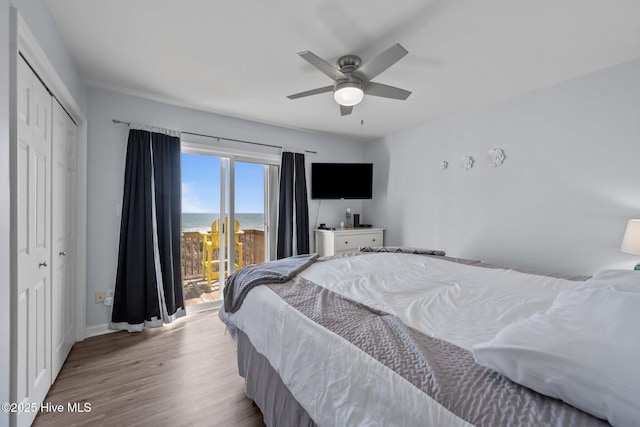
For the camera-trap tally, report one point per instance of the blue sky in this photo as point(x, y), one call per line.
point(201, 185)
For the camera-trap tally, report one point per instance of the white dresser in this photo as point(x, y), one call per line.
point(332, 242)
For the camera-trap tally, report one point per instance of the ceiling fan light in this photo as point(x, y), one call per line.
point(348, 93)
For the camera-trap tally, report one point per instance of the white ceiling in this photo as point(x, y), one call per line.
point(239, 58)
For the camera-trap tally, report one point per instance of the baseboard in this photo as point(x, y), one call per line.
point(93, 331)
point(96, 330)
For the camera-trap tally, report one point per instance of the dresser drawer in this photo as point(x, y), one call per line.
point(332, 242)
point(349, 242)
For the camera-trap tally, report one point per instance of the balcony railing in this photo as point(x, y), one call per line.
point(196, 290)
point(252, 251)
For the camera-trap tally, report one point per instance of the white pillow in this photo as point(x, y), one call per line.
point(585, 350)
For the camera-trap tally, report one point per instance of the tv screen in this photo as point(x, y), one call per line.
point(341, 180)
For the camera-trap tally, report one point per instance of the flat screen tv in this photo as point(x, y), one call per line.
point(341, 180)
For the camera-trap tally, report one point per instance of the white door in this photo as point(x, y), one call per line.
point(226, 211)
point(33, 320)
point(63, 239)
point(216, 184)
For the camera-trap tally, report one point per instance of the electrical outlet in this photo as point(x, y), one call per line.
point(99, 297)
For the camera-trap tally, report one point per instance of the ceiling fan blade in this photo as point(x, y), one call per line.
point(384, 91)
point(381, 62)
point(345, 111)
point(311, 92)
point(322, 65)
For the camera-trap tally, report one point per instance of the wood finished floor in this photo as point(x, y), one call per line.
point(184, 374)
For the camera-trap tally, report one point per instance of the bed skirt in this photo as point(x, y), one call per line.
point(265, 387)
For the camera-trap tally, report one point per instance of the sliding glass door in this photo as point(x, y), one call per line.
point(226, 206)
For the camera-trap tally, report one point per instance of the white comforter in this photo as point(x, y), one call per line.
point(340, 385)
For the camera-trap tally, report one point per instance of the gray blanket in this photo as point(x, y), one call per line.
point(402, 250)
point(446, 373)
point(279, 271)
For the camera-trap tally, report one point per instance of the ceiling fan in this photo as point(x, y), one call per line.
point(352, 80)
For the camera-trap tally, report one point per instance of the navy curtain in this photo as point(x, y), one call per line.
point(148, 288)
point(293, 195)
point(302, 206)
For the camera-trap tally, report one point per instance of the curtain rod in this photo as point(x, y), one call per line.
point(220, 137)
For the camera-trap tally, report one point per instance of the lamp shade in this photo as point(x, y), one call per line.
point(631, 239)
point(348, 93)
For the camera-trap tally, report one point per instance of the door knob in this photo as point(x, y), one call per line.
point(43, 264)
point(63, 253)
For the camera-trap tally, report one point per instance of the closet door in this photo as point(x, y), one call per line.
point(32, 304)
point(63, 238)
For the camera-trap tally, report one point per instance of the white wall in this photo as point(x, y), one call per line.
point(41, 23)
point(560, 201)
point(106, 154)
point(5, 209)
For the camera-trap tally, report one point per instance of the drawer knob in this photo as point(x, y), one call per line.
point(346, 242)
point(43, 264)
point(374, 240)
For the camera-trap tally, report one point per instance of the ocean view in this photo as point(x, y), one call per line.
point(202, 221)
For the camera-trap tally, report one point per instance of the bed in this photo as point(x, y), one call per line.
point(406, 337)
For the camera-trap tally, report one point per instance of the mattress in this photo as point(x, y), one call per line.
point(387, 339)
